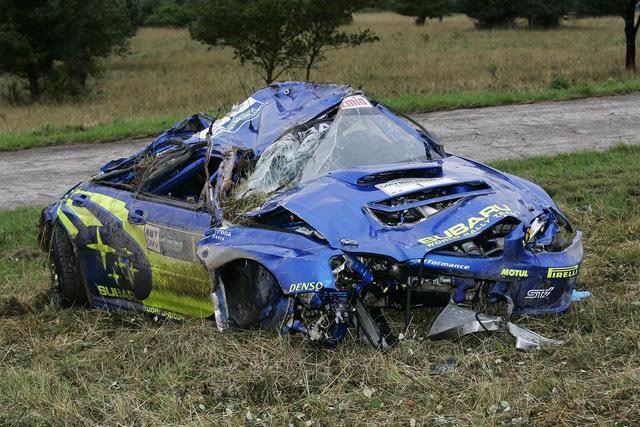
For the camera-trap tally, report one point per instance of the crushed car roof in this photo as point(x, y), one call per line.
point(268, 113)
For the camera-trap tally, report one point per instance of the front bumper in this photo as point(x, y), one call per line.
point(534, 283)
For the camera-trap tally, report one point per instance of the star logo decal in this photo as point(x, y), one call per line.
point(103, 248)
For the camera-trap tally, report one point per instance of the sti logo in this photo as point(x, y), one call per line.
point(562, 273)
point(539, 293)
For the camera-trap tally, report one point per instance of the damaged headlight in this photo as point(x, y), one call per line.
point(564, 235)
point(538, 225)
point(549, 231)
point(344, 275)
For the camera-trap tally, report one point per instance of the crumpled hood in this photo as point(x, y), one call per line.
point(338, 207)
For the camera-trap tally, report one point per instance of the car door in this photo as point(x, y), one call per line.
point(171, 230)
point(137, 252)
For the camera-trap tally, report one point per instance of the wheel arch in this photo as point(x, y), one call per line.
point(250, 292)
point(50, 217)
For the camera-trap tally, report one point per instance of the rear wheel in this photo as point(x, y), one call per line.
point(69, 283)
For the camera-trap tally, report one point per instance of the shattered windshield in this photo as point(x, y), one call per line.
point(357, 137)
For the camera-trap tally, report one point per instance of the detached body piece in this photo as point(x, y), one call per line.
point(455, 321)
point(311, 209)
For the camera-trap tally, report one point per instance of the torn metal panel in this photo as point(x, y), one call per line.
point(527, 340)
point(455, 321)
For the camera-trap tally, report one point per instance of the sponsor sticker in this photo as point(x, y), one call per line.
point(539, 293)
point(469, 228)
point(232, 122)
point(356, 101)
point(562, 273)
point(172, 244)
point(407, 185)
point(166, 314)
point(152, 237)
point(220, 234)
point(248, 110)
point(306, 286)
point(109, 292)
point(448, 265)
point(513, 272)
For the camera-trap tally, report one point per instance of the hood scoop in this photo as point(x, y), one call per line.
point(377, 175)
point(413, 201)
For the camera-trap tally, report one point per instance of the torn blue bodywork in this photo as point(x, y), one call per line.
point(310, 207)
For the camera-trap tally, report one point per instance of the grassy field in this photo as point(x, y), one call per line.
point(442, 65)
point(73, 366)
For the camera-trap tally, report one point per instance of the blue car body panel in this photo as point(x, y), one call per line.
point(148, 254)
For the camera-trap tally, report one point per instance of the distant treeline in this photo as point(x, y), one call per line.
point(52, 46)
point(486, 13)
point(163, 13)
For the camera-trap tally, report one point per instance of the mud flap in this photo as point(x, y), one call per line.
point(455, 321)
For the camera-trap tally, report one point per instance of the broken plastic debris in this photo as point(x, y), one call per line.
point(580, 295)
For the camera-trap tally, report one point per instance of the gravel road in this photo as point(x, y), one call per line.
point(40, 175)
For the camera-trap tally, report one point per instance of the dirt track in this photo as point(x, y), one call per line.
point(38, 176)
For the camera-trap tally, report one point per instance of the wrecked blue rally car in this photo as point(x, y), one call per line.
point(312, 209)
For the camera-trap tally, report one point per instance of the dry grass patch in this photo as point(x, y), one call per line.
point(168, 75)
point(73, 366)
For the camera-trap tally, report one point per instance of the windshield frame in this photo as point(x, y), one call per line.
point(262, 178)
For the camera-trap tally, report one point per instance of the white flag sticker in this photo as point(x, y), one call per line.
point(409, 185)
point(356, 101)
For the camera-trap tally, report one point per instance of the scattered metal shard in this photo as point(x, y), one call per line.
point(527, 340)
point(456, 321)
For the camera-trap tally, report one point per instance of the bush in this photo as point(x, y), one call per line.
point(546, 13)
point(172, 13)
point(423, 9)
point(140, 10)
point(502, 13)
point(491, 13)
point(560, 84)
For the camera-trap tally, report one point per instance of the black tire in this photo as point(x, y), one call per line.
point(250, 289)
point(69, 282)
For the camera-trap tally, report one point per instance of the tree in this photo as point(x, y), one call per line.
point(171, 13)
point(277, 35)
point(25, 40)
point(262, 32)
point(38, 36)
point(93, 29)
point(141, 10)
point(624, 8)
point(491, 13)
point(545, 13)
point(320, 32)
point(423, 9)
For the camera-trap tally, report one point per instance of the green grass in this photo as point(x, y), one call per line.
point(422, 103)
point(74, 366)
point(410, 103)
point(50, 135)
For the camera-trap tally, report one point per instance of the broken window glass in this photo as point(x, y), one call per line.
point(357, 137)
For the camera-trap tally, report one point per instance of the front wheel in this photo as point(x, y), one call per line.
point(69, 283)
point(253, 295)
